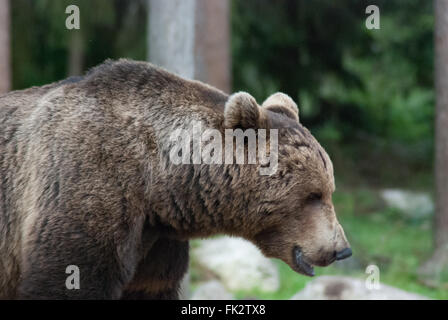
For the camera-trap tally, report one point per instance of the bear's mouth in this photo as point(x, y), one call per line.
point(300, 264)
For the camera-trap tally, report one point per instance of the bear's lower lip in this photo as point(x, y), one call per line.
point(301, 265)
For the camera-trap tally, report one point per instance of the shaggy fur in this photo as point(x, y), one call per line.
point(85, 179)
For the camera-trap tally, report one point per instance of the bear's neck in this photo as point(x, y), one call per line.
point(205, 200)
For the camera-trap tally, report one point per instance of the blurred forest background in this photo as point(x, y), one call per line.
point(367, 95)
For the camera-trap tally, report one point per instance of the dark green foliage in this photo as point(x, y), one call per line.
point(367, 89)
point(40, 40)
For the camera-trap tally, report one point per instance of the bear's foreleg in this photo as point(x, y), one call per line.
point(69, 265)
point(160, 273)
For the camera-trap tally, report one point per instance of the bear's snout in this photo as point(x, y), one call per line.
point(343, 254)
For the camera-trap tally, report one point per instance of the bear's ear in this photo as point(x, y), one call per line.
point(242, 111)
point(282, 103)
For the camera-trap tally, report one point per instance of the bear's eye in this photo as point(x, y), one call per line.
point(314, 196)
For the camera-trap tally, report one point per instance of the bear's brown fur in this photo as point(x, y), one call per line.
point(86, 180)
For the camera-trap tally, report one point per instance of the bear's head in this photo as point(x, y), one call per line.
point(291, 215)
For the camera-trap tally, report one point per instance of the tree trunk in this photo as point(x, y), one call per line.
point(441, 83)
point(212, 43)
point(191, 38)
point(432, 272)
point(76, 54)
point(5, 47)
point(172, 35)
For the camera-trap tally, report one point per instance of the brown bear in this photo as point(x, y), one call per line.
point(86, 179)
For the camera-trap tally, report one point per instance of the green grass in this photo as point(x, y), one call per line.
point(379, 236)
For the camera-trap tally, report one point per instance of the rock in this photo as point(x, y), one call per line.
point(211, 290)
point(347, 288)
point(412, 204)
point(238, 264)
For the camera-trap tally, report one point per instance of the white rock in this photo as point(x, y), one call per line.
point(211, 290)
point(412, 204)
point(347, 288)
point(238, 264)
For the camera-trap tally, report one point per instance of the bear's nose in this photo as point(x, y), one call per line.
point(345, 253)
